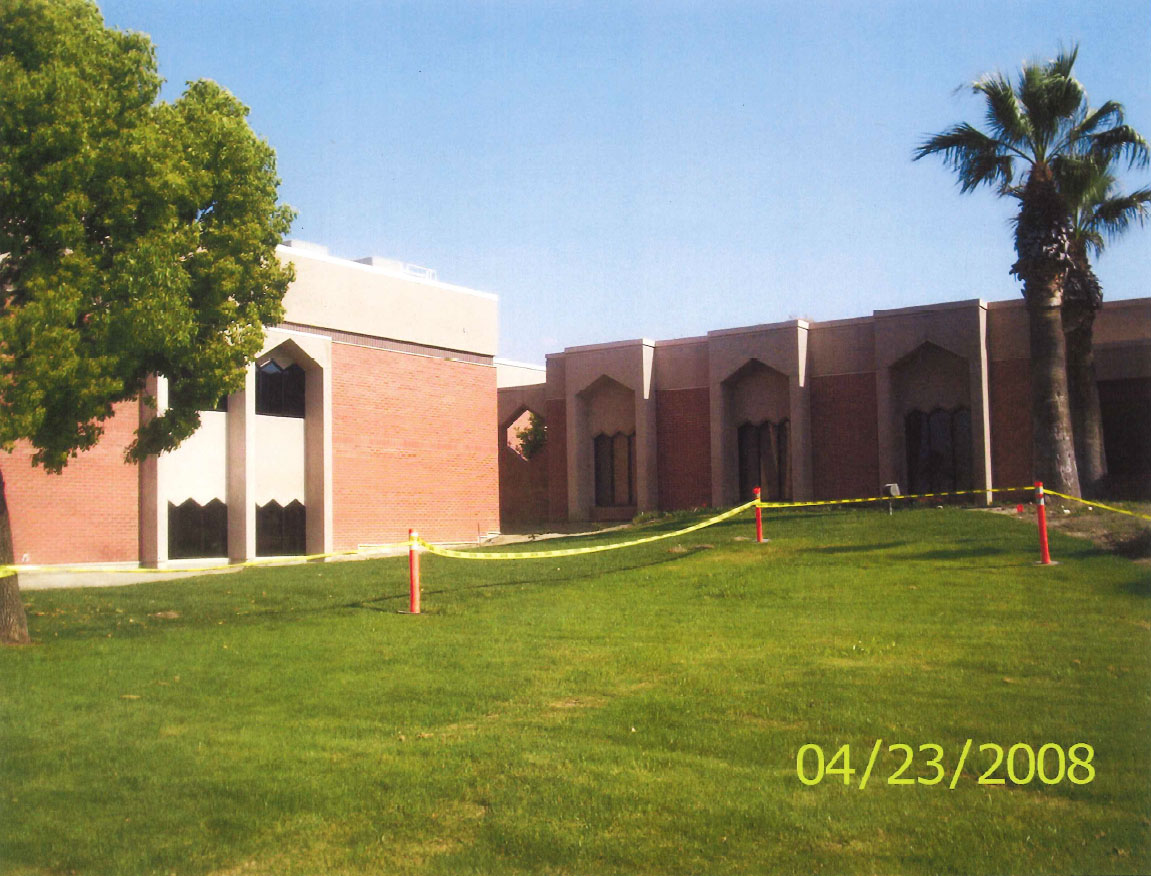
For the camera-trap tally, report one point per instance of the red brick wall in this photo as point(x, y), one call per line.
point(411, 447)
point(523, 486)
point(1009, 391)
point(88, 513)
point(683, 448)
point(556, 416)
point(844, 436)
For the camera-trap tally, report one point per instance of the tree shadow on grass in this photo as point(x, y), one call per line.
point(858, 548)
point(1140, 586)
point(374, 604)
point(967, 553)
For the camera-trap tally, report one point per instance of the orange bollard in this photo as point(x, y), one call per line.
point(413, 572)
point(758, 519)
point(1041, 507)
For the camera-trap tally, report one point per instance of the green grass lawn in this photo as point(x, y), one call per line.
point(637, 711)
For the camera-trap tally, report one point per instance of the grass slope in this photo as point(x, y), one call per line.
point(629, 712)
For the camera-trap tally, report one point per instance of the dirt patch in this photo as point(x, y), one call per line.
point(1114, 532)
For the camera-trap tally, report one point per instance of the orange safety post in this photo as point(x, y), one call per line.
point(758, 519)
point(413, 572)
point(1041, 506)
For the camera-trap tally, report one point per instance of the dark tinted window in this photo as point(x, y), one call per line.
point(764, 461)
point(938, 451)
point(280, 391)
point(281, 530)
point(614, 459)
point(196, 530)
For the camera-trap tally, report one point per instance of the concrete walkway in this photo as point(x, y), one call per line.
point(49, 579)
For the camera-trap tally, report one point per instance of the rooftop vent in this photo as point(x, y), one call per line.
point(399, 267)
point(306, 246)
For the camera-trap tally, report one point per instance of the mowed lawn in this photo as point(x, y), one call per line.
point(638, 711)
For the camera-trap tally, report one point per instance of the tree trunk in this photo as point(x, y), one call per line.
point(1053, 448)
point(1086, 416)
point(1043, 242)
point(1082, 299)
point(13, 623)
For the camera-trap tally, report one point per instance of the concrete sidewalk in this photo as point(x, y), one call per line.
point(50, 580)
point(125, 574)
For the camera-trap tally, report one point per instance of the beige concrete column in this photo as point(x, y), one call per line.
point(721, 463)
point(242, 471)
point(799, 412)
point(318, 457)
point(646, 437)
point(578, 457)
point(153, 510)
point(981, 411)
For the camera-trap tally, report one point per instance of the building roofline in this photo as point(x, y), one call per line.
point(925, 308)
point(292, 252)
point(763, 327)
point(499, 360)
point(610, 345)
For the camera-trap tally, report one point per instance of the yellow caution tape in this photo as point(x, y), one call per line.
point(571, 552)
point(895, 498)
point(535, 555)
point(1097, 504)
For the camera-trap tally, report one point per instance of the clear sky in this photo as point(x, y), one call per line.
point(649, 169)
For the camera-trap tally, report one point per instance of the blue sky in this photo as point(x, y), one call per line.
point(649, 169)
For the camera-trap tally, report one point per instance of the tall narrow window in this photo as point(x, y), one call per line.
point(764, 460)
point(614, 460)
point(938, 450)
point(604, 465)
point(280, 391)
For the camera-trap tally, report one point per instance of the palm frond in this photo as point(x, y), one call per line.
point(1005, 116)
point(976, 157)
point(1121, 141)
point(1082, 179)
point(1115, 215)
point(1111, 113)
point(1064, 61)
point(1092, 240)
point(1052, 99)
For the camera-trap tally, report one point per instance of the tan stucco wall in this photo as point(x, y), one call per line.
point(680, 364)
point(338, 294)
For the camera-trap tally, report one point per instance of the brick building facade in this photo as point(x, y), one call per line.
point(930, 398)
point(370, 410)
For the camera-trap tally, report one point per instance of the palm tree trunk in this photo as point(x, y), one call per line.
point(1053, 448)
point(13, 622)
point(1086, 415)
point(1044, 244)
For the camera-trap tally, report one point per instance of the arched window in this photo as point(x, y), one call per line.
point(614, 461)
point(938, 450)
point(280, 391)
point(765, 460)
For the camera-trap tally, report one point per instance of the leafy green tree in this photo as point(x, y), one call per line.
point(532, 437)
point(1099, 211)
point(1034, 126)
point(137, 237)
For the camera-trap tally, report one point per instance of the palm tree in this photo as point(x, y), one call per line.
point(1035, 125)
point(1098, 212)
